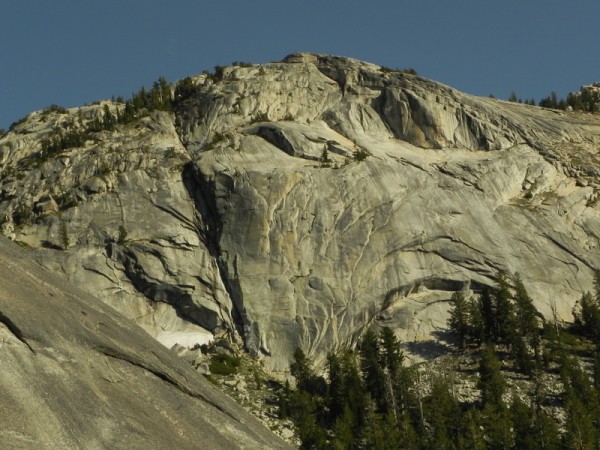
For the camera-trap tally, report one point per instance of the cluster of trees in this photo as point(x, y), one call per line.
point(586, 100)
point(503, 315)
point(408, 71)
point(586, 313)
point(513, 98)
point(158, 98)
point(186, 88)
point(368, 398)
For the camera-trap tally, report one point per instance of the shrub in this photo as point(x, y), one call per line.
point(241, 64)
point(260, 117)
point(224, 364)
point(409, 71)
point(219, 72)
point(21, 214)
point(54, 108)
point(186, 88)
point(325, 160)
point(122, 235)
point(17, 122)
point(64, 235)
point(360, 155)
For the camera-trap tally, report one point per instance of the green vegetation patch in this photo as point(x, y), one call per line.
point(224, 364)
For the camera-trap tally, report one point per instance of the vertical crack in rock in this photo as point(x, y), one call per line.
point(209, 228)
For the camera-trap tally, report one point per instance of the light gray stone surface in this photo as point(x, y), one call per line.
point(234, 224)
point(75, 374)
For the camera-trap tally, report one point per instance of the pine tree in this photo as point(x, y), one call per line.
point(128, 114)
point(580, 432)
point(522, 417)
point(306, 380)
point(376, 433)
point(311, 433)
point(487, 312)
point(459, 318)
point(491, 383)
point(344, 431)
point(527, 322)
point(391, 359)
point(504, 320)
point(185, 89)
point(347, 399)
point(546, 430)
point(472, 437)
point(64, 235)
point(520, 353)
point(165, 94)
point(305, 404)
point(109, 121)
point(391, 355)
point(533, 428)
point(498, 426)
point(477, 324)
point(581, 405)
point(587, 316)
point(372, 371)
point(337, 388)
point(596, 372)
point(443, 415)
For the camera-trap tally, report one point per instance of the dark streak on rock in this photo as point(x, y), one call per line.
point(16, 331)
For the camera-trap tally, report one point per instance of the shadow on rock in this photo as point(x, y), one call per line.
point(431, 349)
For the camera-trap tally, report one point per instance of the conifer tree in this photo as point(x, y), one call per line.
point(391, 355)
point(497, 425)
point(487, 312)
point(546, 430)
point(109, 120)
point(580, 432)
point(527, 322)
point(391, 359)
point(581, 405)
point(344, 431)
point(491, 383)
point(372, 370)
point(472, 436)
point(306, 380)
point(586, 315)
point(533, 428)
point(459, 321)
point(504, 312)
point(476, 322)
point(520, 353)
point(347, 397)
point(376, 434)
point(443, 415)
point(596, 372)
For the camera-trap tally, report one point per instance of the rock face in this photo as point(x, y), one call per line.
point(75, 374)
point(297, 203)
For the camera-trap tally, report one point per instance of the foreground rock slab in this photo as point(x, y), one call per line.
point(75, 374)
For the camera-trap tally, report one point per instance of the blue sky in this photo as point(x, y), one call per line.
point(71, 52)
